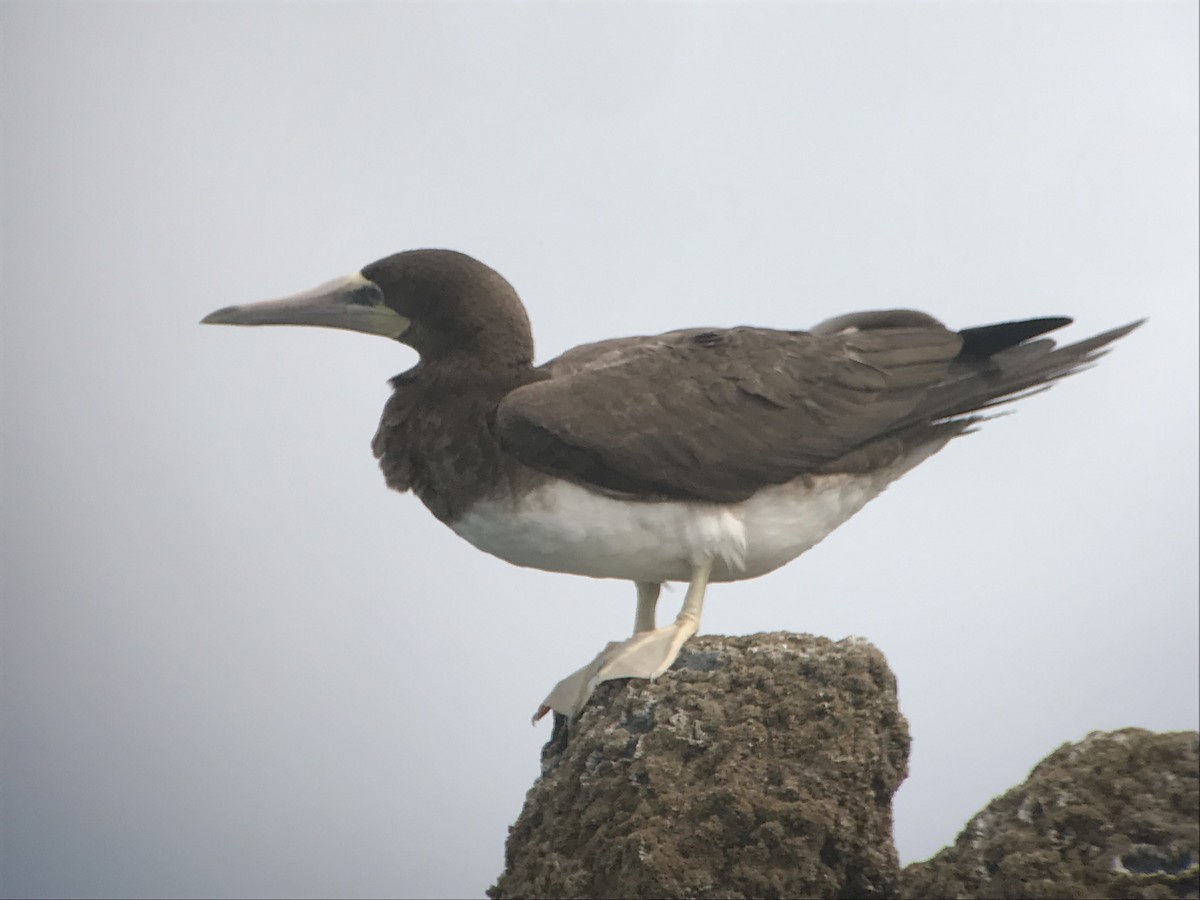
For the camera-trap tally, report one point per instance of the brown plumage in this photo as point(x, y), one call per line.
point(697, 414)
point(714, 415)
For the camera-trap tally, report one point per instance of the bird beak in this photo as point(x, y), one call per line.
point(354, 303)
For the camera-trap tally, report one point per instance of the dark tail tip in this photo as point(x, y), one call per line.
point(985, 340)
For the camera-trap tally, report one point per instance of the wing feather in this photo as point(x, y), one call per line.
point(716, 414)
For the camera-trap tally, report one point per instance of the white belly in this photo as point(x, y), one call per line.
point(563, 527)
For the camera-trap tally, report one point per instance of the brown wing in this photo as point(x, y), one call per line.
point(716, 414)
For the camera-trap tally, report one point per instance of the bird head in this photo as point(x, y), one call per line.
point(440, 302)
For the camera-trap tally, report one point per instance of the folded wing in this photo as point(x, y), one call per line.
point(714, 415)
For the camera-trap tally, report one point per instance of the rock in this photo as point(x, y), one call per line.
point(760, 766)
point(764, 766)
point(1115, 815)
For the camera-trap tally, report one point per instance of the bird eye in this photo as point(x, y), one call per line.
point(368, 294)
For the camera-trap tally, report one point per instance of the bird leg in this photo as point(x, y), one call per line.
point(647, 592)
point(647, 654)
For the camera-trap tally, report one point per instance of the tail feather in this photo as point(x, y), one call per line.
point(1013, 372)
point(986, 340)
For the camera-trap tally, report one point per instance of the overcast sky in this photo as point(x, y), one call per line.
point(235, 664)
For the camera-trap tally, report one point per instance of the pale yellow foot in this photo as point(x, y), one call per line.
point(647, 654)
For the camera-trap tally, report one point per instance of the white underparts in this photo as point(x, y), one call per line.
point(562, 527)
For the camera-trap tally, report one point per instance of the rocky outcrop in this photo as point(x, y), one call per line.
point(1115, 815)
point(764, 766)
point(761, 766)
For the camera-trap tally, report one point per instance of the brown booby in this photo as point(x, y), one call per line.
point(700, 455)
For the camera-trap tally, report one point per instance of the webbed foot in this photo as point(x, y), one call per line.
point(645, 655)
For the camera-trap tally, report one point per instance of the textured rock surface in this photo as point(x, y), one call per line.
point(1115, 815)
point(761, 766)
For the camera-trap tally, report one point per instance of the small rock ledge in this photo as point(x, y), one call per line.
point(763, 766)
point(1116, 815)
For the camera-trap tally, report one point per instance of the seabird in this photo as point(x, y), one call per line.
point(700, 455)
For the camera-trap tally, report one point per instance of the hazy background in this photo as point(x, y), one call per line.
point(234, 664)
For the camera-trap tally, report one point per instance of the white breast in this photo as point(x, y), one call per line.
point(562, 527)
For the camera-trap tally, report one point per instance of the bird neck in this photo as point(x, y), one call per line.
point(437, 439)
point(485, 369)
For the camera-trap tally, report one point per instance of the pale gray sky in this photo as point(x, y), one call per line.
point(235, 664)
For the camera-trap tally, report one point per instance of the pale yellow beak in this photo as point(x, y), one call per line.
point(353, 303)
